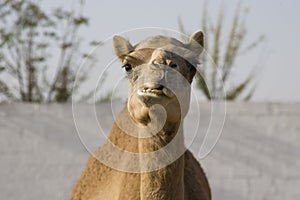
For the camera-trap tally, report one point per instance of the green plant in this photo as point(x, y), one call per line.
point(211, 77)
point(28, 38)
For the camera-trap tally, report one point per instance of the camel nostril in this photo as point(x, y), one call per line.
point(160, 87)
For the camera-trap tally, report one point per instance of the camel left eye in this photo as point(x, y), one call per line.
point(128, 67)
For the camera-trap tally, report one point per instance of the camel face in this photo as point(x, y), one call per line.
point(159, 71)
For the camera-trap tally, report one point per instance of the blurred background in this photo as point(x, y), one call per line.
point(51, 51)
point(254, 44)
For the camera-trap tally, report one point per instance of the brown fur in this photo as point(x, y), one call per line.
point(183, 178)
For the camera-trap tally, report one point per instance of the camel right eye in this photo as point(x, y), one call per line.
point(128, 67)
point(173, 65)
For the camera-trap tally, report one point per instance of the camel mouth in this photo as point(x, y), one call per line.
point(154, 91)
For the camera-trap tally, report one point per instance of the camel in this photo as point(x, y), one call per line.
point(160, 71)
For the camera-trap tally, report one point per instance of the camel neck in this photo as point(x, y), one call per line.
point(167, 180)
point(160, 160)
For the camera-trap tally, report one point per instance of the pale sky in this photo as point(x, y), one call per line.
point(274, 62)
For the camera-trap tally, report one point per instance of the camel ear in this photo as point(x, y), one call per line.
point(196, 42)
point(121, 47)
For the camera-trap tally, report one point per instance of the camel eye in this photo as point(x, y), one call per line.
point(128, 67)
point(173, 65)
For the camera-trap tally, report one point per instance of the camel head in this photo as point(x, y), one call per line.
point(159, 70)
